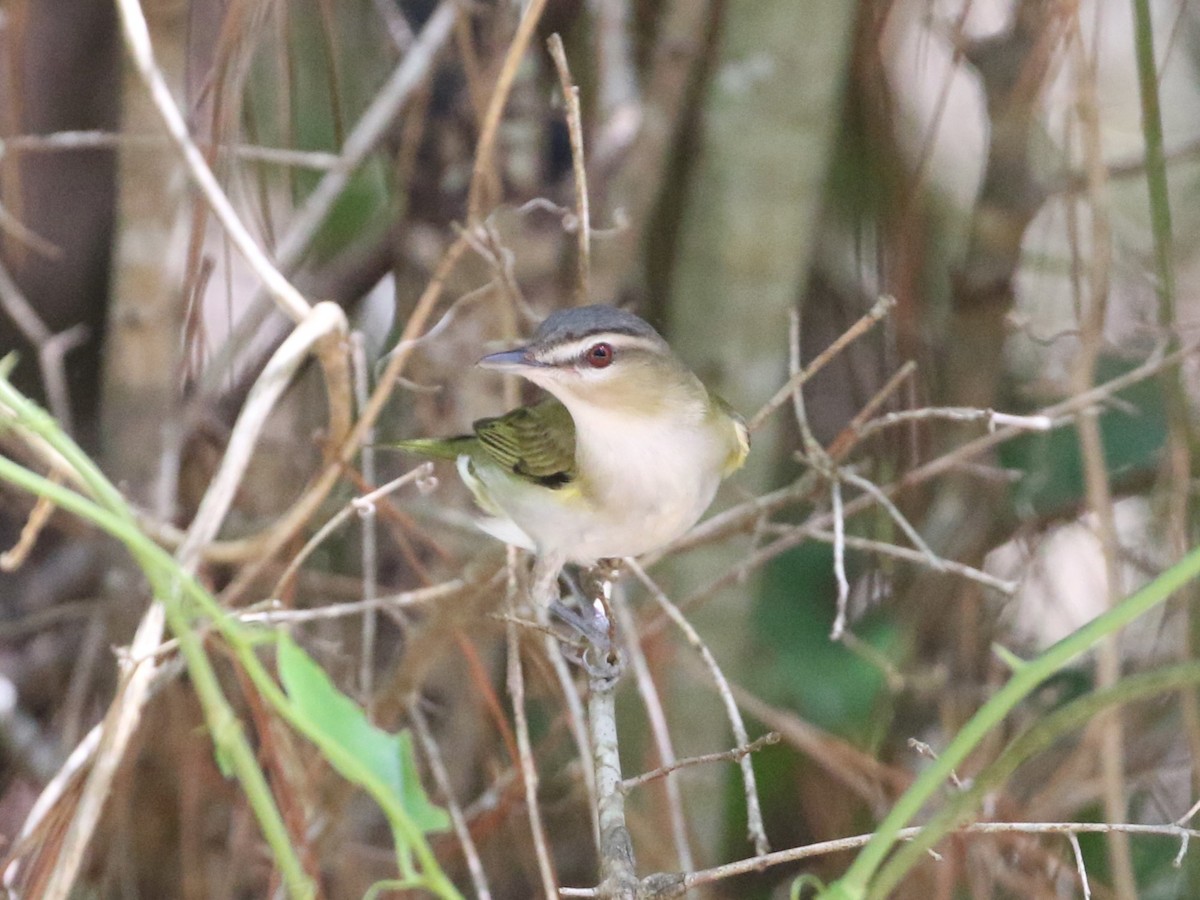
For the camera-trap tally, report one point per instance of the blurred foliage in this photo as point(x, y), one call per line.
point(1133, 426)
point(747, 158)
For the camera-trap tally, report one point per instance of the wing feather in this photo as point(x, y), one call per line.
point(534, 442)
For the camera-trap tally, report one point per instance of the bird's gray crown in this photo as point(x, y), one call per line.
point(566, 325)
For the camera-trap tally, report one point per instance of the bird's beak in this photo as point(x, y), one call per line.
point(510, 361)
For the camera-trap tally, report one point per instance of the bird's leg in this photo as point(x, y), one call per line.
point(543, 588)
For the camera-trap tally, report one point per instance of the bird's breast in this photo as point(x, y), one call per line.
point(648, 483)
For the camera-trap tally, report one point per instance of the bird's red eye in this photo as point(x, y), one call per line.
point(599, 355)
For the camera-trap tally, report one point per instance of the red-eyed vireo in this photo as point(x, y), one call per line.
point(623, 458)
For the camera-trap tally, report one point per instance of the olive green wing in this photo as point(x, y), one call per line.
point(435, 448)
point(534, 442)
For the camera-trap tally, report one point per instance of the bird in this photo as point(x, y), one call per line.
point(623, 456)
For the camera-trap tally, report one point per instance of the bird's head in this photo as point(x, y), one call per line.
point(600, 356)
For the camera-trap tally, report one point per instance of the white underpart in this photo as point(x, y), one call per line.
point(648, 481)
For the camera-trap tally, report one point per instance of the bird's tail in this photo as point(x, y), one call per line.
point(434, 448)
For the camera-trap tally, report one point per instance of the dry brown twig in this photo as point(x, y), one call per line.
point(51, 347)
point(839, 845)
point(664, 771)
point(490, 127)
point(70, 141)
point(433, 754)
point(529, 775)
point(583, 233)
point(105, 753)
point(744, 516)
point(754, 821)
point(14, 557)
point(659, 729)
point(868, 321)
point(371, 127)
point(370, 532)
point(265, 546)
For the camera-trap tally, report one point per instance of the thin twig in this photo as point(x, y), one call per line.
point(934, 561)
point(1192, 810)
point(529, 775)
point(851, 434)
point(137, 39)
point(618, 872)
point(1002, 585)
point(370, 530)
point(1093, 306)
point(51, 348)
point(859, 328)
point(754, 820)
point(358, 504)
point(1079, 866)
point(495, 111)
point(64, 141)
point(583, 234)
point(14, 557)
point(417, 597)
point(992, 418)
point(839, 562)
point(360, 143)
point(437, 766)
point(839, 845)
point(771, 737)
point(648, 691)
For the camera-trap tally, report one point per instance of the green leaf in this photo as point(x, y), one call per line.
point(362, 753)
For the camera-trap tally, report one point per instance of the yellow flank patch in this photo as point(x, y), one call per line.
point(738, 457)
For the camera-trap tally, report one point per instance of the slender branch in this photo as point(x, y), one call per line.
point(419, 597)
point(1079, 866)
point(490, 128)
point(360, 143)
point(51, 348)
point(66, 141)
point(441, 777)
point(137, 39)
point(529, 774)
point(648, 691)
point(771, 737)
point(877, 312)
point(370, 530)
point(583, 233)
point(359, 505)
point(618, 872)
point(947, 565)
point(754, 821)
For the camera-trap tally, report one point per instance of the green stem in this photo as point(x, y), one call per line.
point(854, 884)
point(166, 579)
point(1156, 160)
point(1045, 732)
